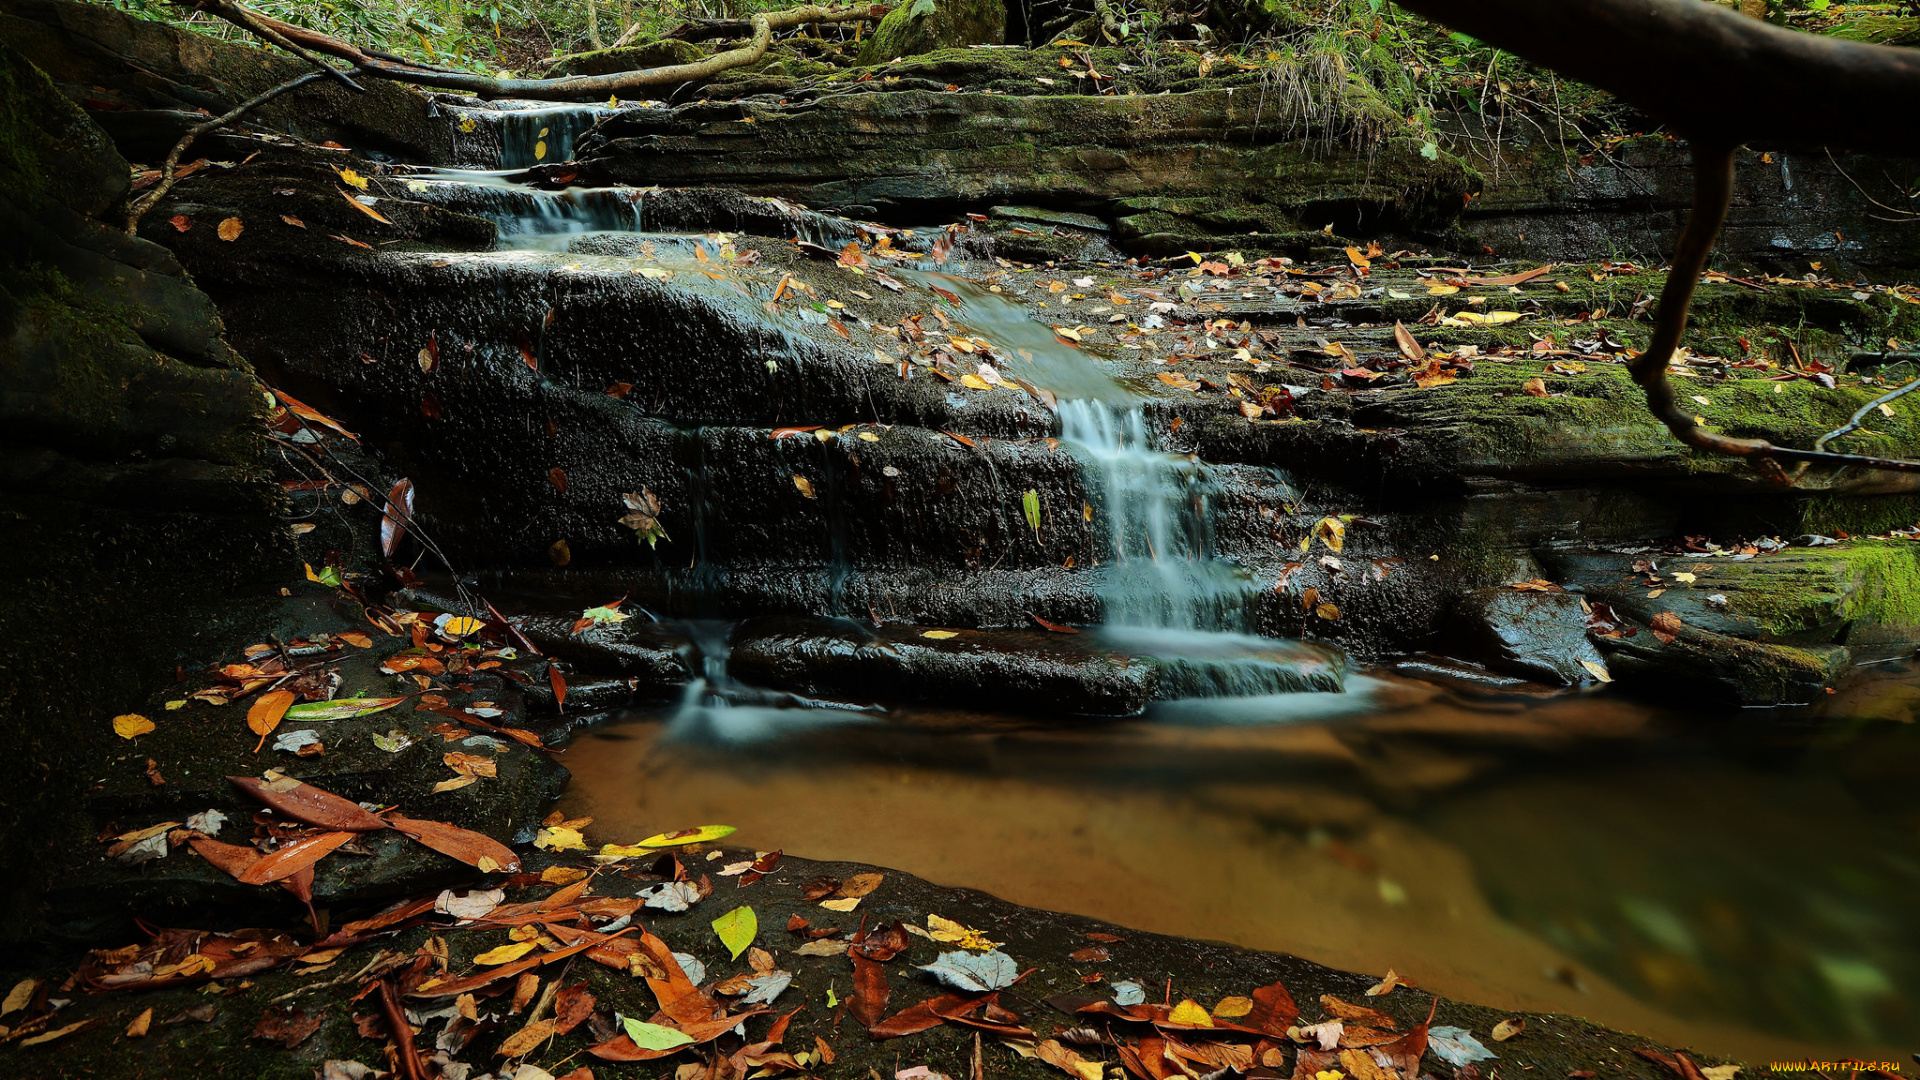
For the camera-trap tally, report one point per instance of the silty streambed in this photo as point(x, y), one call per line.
point(1746, 892)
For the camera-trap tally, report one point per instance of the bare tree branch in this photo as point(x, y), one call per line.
point(168, 177)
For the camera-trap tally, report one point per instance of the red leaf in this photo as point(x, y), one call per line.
point(558, 477)
point(293, 858)
point(1273, 1012)
point(559, 684)
point(233, 859)
point(430, 405)
point(393, 523)
point(869, 1000)
point(304, 802)
point(1053, 626)
point(526, 351)
point(911, 1020)
point(463, 844)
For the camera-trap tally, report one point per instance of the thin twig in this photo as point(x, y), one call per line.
point(168, 177)
point(1859, 417)
point(1905, 215)
point(1712, 193)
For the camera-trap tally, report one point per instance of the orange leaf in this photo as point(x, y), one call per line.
point(309, 804)
point(364, 208)
point(231, 229)
point(265, 714)
point(293, 858)
point(465, 845)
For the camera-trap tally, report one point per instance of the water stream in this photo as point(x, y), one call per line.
point(1747, 891)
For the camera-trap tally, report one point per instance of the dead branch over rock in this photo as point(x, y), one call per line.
point(571, 88)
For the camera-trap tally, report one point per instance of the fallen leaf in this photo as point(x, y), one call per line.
point(306, 803)
point(974, 972)
point(702, 834)
point(1666, 627)
point(131, 725)
point(180, 222)
point(1189, 1013)
point(231, 229)
point(57, 1033)
point(1387, 984)
point(20, 996)
point(137, 1028)
point(1053, 1053)
point(737, 929)
point(527, 1038)
point(289, 1029)
point(506, 954)
point(470, 847)
point(805, 486)
point(266, 713)
point(1598, 671)
point(352, 178)
point(1409, 348)
point(1456, 1046)
point(1507, 1029)
point(1535, 386)
point(293, 858)
point(655, 1037)
point(364, 208)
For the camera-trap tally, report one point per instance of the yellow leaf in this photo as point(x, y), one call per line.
point(1598, 671)
point(944, 929)
point(131, 725)
point(460, 626)
point(939, 635)
point(1329, 612)
point(562, 875)
point(1332, 532)
point(1190, 1014)
point(1067, 332)
point(700, 835)
point(974, 382)
point(353, 179)
point(805, 486)
point(455, 784)
point(230, 229)
point(868, 436)
point(560, 838)
point(1233, 1008)
point(1442, 290)
point(20, 996)
point(505, 954)
point(845, 903)
point(523, 1041)
point(47, 1037)
point(1685, 578)
point(138, 1028)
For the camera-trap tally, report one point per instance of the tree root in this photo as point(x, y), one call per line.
point(168, 177)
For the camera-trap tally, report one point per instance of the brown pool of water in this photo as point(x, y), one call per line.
point(1742, 884)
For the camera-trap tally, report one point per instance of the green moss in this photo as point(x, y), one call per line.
point(1869, 585)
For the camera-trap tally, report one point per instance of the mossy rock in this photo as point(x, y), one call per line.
point(921, 26)
point(652, 54)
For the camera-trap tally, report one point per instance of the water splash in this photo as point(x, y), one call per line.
point(718, 708)
point(539, 133)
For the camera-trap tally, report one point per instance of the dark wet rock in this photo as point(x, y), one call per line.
point(1787, 210)
point(139, 524)
point(1540, 636)
point(911, 151)
point(146, 83)
point(922, 26)
point(649, 661)
point(1447, 670)
point(1038, 940)
point(194, 748)
point(1760, 629)
point(1024, 671)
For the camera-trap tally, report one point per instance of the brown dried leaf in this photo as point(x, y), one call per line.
point(309, 804)
point(293, 858)
point(472, 848)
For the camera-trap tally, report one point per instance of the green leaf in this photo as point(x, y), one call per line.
point(833, 1001)
point(654, 1037)
point(737, 929)
point(603, 616)
point(1430, 150)
point(342, 709)
point(1030, 504)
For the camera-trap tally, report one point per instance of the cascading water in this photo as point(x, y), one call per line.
point(537, 133)
point(1161, 573)
point(720, 708)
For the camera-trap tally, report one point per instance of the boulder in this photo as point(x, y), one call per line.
point(922, 26)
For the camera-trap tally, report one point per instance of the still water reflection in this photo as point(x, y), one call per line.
point(1744, 883)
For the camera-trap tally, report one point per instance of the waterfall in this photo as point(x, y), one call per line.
point(542, 134)
point(1161, 573)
